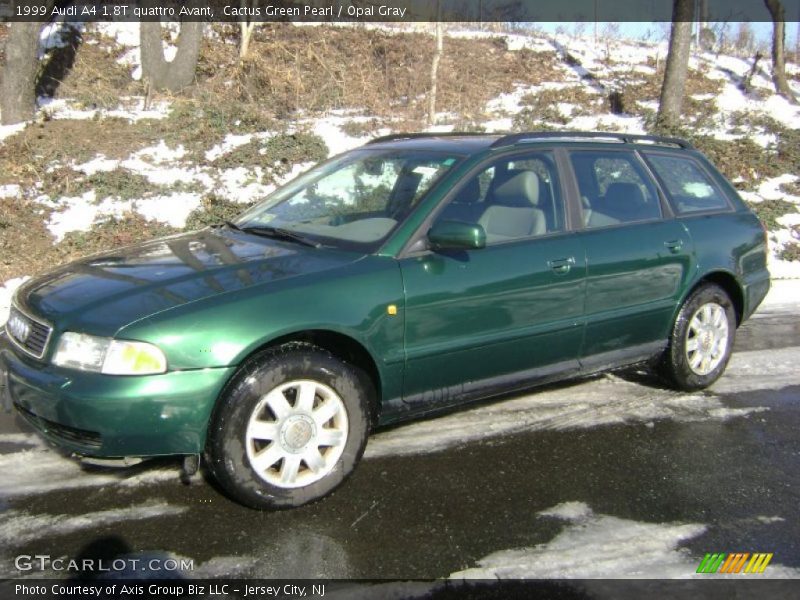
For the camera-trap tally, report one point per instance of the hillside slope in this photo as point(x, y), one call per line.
point(99, 169)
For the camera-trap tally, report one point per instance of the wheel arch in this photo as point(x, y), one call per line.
point(341, 345)
point(728, 282)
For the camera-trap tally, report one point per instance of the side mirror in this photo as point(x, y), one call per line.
point(455, 235)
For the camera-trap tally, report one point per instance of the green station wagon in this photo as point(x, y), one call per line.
point(413, 274)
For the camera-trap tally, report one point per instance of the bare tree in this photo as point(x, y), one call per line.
point(778, 60)
point(18, 88)
point(437, 55)
point(246, 27)
point(176, 74)
point(680, 41)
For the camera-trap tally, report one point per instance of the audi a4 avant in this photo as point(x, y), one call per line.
point(413, 274)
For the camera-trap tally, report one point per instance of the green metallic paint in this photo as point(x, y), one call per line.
point(490, 312)
point(446, 235)
point(469, 320)
point(630, 297)
point(151, 415)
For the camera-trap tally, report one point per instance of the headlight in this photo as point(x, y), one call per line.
point(111, 357)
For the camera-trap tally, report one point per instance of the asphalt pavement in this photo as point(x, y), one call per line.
point(613, 476)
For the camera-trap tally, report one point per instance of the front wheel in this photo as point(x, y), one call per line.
point(290, 427)
point(701, 341)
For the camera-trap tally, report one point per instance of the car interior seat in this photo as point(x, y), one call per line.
point(513, 209)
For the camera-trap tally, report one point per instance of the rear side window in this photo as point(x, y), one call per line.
point(614, 189)
point(689, 188)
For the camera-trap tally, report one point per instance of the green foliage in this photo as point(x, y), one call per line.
point(276, 155)
point(200, 124)
point(213, 211)
point(120, 183)
point(292, 148)
point(111, 233)
point(769, 211)
point(366, 128)
point(790, 251)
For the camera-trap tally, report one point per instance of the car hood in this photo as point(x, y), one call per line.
point(104, 292)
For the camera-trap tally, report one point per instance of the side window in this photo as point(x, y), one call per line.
point(614, 189)
point(511, 199)
point(689, 188)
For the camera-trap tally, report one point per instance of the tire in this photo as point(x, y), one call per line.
point(289, 428)
point(701, 340)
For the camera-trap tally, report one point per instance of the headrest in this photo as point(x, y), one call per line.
point(522, 190)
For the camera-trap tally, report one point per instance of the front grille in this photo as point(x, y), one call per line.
point(72, 435)
point(27, 333)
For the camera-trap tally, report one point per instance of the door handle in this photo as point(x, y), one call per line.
point(561, 266)
point(674, 246)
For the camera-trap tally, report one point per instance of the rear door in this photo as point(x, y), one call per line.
point(485, 320)
point(639, 257)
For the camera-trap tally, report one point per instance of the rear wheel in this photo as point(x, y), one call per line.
point(702, 339)
point(290, 427)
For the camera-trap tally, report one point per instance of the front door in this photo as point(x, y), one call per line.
point(512, 312)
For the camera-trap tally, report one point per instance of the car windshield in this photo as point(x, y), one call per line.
point(353, 201)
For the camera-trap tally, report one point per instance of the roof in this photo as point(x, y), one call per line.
point(473, 142)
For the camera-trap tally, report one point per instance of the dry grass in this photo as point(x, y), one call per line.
point(26, 246)
point(96, 79)
point(646, 87)
point(317, 69)
point(26, 156)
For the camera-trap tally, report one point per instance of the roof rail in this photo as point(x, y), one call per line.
point(625, 138)
point(428, 134)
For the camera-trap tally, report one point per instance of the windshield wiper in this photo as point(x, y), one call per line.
point(232, 225)
point(278, 233)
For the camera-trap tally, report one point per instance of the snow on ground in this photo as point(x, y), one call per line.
point(330, 130)
point(6, 292)
point(20, 527)
point(131, 109)
point(783, 294)
point(606, 60)
point(605, 401)
point(596, 546)
point(39, 470)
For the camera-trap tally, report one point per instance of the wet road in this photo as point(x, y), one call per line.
point(608, 477)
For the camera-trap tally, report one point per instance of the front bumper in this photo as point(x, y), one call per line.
point(112, 416)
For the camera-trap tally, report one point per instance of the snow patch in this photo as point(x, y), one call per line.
point(6, 293)
point(19, 527)
point(231, 142)
point(41, 470)
point(604, 401)
point(80, 213)
point(173, 209)
point(337, 141)
point(38, 471)
point(603, 546)
point(23, 439)
point(9, 130)
point(759, 370)
point(569, 511)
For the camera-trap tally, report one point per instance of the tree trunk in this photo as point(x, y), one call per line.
point(18, 89)
point(178, 73)
point(778, 61)
point(746, 85)
point(680, 41)
point(437, 55)
point(246, 27)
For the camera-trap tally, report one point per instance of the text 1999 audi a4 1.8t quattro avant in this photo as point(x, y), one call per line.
point(410, 275)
